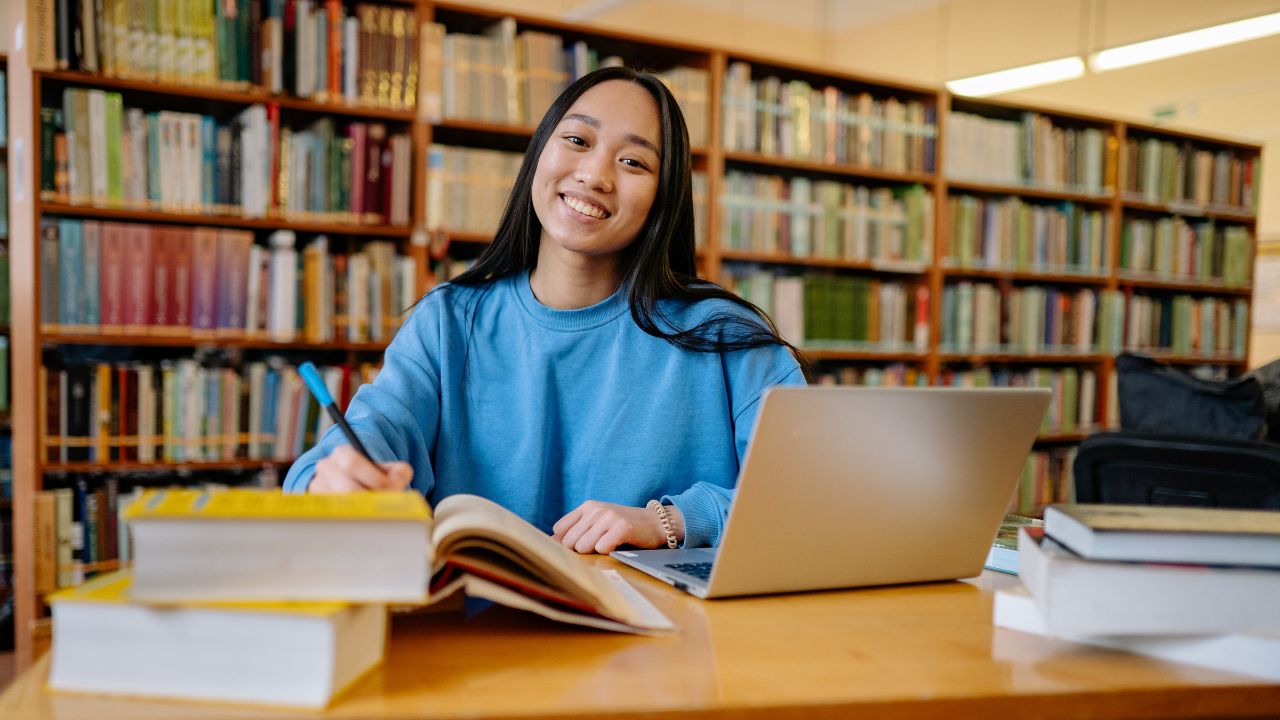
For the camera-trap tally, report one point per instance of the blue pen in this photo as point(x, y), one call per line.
point(312, 377)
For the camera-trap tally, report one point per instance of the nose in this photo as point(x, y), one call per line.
point(595, 171)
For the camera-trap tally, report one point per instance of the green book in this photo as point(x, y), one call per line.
point(114, 116)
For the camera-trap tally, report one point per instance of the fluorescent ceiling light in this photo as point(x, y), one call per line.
point(1018, 78)
point(1184, 43)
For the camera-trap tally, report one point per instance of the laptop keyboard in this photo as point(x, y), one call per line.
point(700, 570)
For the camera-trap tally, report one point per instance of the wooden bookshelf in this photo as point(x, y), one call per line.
point(30, 341)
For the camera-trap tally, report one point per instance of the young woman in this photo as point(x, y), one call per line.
point(579, 370)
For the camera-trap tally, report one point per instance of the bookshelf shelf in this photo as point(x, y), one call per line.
point(902, 267)
point(1187, 285)
point(1064, 436)
point(859, 355)
point(123, 467)
point(1187, 209)
point(229, 94)
point(848, 171)
point(265, 223)
point(471, 238)
point(1029, 192)
point(1027, 275)
point(182, 342)
point(956, 357)
point(102, 566)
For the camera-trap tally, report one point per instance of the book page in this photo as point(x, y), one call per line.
point(470, 521)
point(645, 618)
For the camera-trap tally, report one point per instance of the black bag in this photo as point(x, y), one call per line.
point(1268, 377)
point(1157, 398)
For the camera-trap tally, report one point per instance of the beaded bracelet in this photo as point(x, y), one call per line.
point(665, 519)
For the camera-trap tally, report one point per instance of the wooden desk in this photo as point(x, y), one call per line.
point(926, 651)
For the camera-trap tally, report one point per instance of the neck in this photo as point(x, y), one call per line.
point(567, 281)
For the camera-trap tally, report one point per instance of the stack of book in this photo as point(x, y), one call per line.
point(1192, 585)
point(252, 596)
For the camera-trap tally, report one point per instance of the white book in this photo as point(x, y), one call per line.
point(350, 58)
point(1253, 655)
point(281, 305)
point(98, 145)
point(255, 168)
point(407, 268)
point(298, 654)
point(192, 160)
point(358, 298)
point(1091, 597)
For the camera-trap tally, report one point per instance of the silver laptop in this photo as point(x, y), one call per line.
point(849, 486)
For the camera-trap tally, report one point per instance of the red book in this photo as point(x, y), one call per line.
point(204, 281)
point(161, 282)
point(334, 61)
point(233, 281)
point(273, 127)
point(376, 138)
point(111, 271)
point(139, 272)
point(180, 256)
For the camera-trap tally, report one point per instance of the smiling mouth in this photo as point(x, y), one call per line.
point(584, 208)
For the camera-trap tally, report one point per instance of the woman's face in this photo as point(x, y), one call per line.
point(598, 174)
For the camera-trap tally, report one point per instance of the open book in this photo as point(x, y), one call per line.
point(238, 545)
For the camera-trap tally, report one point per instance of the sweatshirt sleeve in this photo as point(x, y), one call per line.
point(396, 416)
point(705, 506)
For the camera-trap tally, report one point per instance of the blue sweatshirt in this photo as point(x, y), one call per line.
point(486, 391)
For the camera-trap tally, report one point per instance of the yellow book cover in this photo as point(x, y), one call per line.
point(241, 503)
point(113, 589)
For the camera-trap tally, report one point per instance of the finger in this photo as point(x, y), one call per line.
point(572, 535)
point(352, 464)
point(328, 483)
point(398, 474)
point(587, 543)
point(610, 541)
point(566, 522)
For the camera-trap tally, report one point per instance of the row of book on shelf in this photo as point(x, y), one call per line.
point(795, 120)
point(1033, 150)
point(802, 217)
point(1186, 584)
point(1180, 173)
point(1011, 233)
point(185, 410)
point(96, 151)
point(817, 309)
point(217, 283)
point(309, 48)
point(1174, 248)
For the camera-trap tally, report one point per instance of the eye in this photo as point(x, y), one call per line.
point(632, 162)
point(576, 140)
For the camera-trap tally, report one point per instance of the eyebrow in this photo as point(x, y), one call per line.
point(631, 137)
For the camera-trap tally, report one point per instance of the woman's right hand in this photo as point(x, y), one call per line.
point(346, 470)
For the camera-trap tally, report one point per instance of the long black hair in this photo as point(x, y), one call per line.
point(659, 263)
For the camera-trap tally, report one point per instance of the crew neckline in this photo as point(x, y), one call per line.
point(586, 318)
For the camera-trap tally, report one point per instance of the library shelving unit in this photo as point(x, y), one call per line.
point(836, 201)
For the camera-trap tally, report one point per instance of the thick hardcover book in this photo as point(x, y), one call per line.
point(1210, 536)
point(113, 269)
point(368, 547)
point(107, 642)
point(1094, 597)
point(1253, 655)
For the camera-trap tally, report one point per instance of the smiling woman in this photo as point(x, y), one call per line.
point(580, 370)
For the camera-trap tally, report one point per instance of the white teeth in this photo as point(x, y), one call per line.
point(585, 208)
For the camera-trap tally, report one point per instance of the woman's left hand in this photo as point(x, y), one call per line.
point(601, 527)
